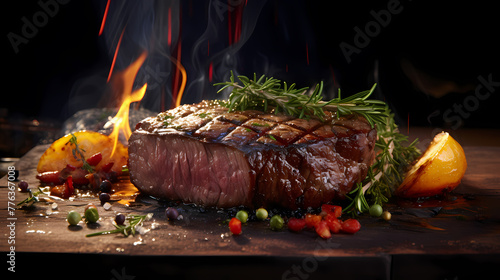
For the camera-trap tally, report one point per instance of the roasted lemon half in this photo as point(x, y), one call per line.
point(60, 153)
point(439, 170)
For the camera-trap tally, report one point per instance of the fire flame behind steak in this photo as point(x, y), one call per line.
point(204, 155)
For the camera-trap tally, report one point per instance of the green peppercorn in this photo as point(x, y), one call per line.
point(376, 210)
point(276, 222)
point(73, 218)
point(242, 215)
point(261, 214)
point(91, 215)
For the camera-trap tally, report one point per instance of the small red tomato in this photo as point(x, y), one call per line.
point(61, 191)
point(107, 167)
point(323, 230)
point(65, 190)
point(50, 177)
point(94, 159)
point(235, 226)
point(295, 224)
point(69, 184)
point(351, 226)
point(333, 223)
point(312, 220)
point(70, 167)
point(332, 209)
point(79, 177)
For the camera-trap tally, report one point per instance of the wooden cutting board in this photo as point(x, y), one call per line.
point(465, 224)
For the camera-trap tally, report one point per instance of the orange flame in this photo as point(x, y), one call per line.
point(183, 84)
point(180, 73)
point(124, 81)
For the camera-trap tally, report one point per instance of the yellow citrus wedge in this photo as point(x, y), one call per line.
point(60, 153)
point(439, 170)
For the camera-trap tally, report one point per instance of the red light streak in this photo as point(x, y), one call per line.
point(333, 76)
point(116, 53)
point(169, 34)
point(104, 18)
point(229, 24)
point(210, 71)
point(237, 27)
point(234, 35)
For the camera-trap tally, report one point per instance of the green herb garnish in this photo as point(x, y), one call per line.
point(272, 137)
point(260, 124)
point(134, 222)
point(33, 198)
point(78, 154)
point(392, 157)
point(204, 115)
point(262, 93)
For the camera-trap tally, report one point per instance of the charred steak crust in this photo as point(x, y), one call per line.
point(202, 154)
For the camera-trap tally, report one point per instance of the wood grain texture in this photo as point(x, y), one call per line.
point(469, 224)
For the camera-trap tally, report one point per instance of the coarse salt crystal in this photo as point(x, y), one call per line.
point(106, 206)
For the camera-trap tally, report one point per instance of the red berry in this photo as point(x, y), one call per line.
point(295, 224)
point(351, 226)
point(94, 159)
point(235, 226)
point(23, 186)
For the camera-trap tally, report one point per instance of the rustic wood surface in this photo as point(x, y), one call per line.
point(465, 224)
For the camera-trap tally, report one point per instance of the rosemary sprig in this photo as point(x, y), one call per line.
point(266, 92)
point(392, 160)
point(392, 157)
point(78, 154)
point(134, 222)
point(32, 198)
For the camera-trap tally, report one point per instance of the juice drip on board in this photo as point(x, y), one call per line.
point(124, 191)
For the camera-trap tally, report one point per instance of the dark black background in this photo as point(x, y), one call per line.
point(455, 41)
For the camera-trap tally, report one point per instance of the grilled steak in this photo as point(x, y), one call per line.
point(204, 155)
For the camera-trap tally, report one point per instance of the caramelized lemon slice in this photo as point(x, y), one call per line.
point(60, 153)
point(439, 170)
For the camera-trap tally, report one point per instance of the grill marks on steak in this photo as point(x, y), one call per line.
point(202, 154)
